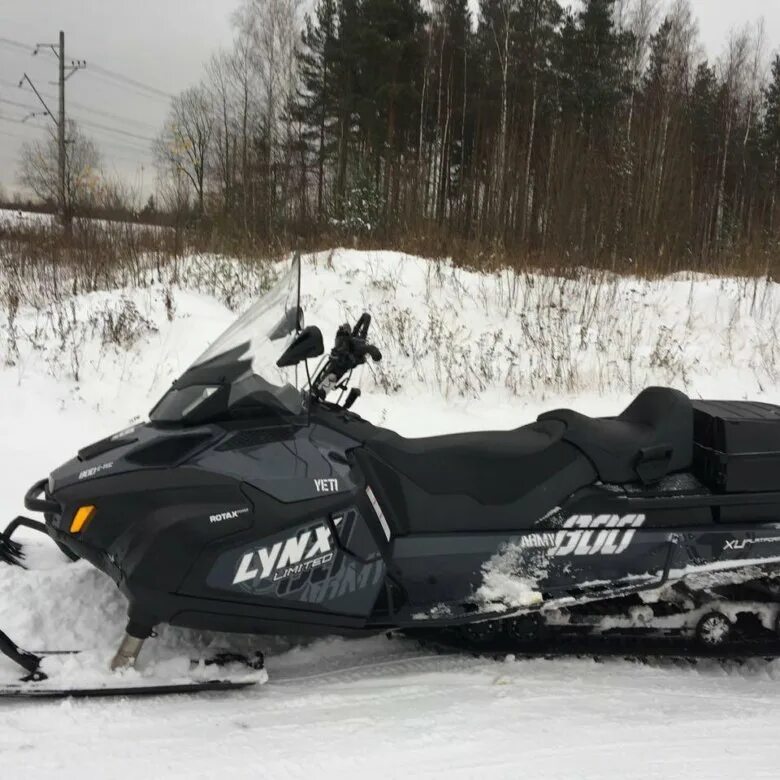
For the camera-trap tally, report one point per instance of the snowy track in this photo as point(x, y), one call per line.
point(373, 708)
point(419, 715)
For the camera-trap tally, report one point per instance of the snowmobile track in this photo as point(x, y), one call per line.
point(599, 650)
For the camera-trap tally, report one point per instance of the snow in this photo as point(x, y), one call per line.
point(367, 710)
point(501, 587)
point(463, 351)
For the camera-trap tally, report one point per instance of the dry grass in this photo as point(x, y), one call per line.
point(570, 327)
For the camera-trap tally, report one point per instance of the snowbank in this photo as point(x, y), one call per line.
point(455, 339)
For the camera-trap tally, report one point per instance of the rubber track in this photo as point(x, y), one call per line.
point(597, 649)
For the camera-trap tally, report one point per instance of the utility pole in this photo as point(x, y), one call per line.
point(60, 122)
point(66, 215)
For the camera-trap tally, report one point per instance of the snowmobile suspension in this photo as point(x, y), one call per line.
point(127, 654)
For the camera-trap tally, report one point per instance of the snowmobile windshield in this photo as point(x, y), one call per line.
point(237, 375)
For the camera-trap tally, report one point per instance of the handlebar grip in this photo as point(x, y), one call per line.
point(361, 326)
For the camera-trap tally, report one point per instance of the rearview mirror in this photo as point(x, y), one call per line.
point(307, 344)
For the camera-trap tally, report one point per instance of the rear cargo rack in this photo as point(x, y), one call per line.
point(737, 445)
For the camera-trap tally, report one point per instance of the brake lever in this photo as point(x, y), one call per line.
point(360, 330)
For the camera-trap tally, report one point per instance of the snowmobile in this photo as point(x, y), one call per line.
point(248, 505)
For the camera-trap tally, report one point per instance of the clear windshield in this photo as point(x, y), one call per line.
point(237, 375)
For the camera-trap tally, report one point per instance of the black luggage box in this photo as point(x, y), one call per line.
point(737, 445)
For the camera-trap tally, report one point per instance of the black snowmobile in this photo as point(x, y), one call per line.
point(246, 505)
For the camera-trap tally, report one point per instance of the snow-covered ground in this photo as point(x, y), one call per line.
point(462, 351)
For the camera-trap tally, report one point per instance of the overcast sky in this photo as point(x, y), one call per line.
point(163, 45)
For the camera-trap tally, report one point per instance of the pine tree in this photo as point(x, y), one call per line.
point(659, 61)
point(315, 103)
point(539, 22)
point(446, 119)
point(537, 130)
point(703, 108)
point(704, 121)
point(771, 137)
point(390, 46)
point(595, 62)
point(346, 78)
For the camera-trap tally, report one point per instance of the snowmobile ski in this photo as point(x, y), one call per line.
point(31, 690)
point(34, 684)
point(31, 661)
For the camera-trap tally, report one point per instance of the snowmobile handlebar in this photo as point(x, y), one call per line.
point(350, 350)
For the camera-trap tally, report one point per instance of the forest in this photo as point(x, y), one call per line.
point(598, 135)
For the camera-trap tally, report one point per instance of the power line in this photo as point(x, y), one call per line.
point(140, 156)
point(131, 82)
point(20, 136)
point(97, 70)
point(125, 146)
point(18, 105)
point(17, 121)
point(105, 142)
point(163, 98)
point(89, 109)
point(110, 115)
point(142, 153)
point(16, 45)
point(9, 84)
point(97, 125)
point(139, 163)
point(119, 154)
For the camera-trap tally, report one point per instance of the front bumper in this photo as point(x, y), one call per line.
point(45, 505)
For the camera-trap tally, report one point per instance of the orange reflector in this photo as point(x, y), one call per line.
point(81, 518)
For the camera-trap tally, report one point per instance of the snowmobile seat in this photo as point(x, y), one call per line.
point(651, 438)
point(529, 464)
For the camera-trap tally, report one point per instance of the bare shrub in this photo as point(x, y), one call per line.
point(120, 323)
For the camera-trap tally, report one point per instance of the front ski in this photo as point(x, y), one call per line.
point(32, 690)
point(34, 684)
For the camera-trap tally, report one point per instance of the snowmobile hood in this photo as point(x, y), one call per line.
point(287, 462)
point(139, 447)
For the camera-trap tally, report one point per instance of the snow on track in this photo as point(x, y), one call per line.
point(377, 707)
